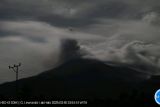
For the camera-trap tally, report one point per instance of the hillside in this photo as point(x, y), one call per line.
point(84, 79)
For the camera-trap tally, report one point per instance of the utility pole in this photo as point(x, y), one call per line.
point(15, 68)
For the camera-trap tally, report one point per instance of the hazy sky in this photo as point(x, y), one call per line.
point(120, 31)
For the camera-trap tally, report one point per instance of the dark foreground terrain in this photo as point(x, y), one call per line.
point(90, 80)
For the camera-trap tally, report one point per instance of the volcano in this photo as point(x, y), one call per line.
point(85, 79)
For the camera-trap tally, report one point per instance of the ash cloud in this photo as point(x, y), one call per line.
point(37, 31)
point(38, 45)
point(144, 57)
point(70, 49)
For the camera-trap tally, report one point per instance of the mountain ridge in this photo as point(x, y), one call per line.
point(82, 79)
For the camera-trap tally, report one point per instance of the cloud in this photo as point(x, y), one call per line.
point(138, 55)
point(133, 43)
point(127, 29)
point(17, 49)
point(37, 30)
point(37, 45)
point(152, 18)
point(74, 13)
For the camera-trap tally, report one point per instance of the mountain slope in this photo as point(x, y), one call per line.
point(81, 79)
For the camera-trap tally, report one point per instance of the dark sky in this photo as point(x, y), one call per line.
point(120, 31)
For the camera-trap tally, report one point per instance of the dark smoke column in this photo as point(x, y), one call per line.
point(69, 50)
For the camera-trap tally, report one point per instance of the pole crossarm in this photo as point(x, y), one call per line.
point(15, 69)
